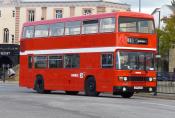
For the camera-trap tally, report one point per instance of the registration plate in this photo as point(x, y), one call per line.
point(138, 87)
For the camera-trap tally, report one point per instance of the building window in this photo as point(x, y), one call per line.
point(87, 11)
point(107, 60)
point(44, 12)
point(6, 35)
point(13, 13)
point(30, 61)
point(13, 38)
point(90, 26)
point(31, 15)
point(58, 13)
point(72, 28)
point(55, 61)
point(40, 61)
point(42, 31)
point(72, 61)
point(101, 9)
point(57, 29)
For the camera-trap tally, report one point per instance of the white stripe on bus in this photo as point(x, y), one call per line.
point(82, 50)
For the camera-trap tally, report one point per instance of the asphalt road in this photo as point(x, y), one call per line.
point(18, 102)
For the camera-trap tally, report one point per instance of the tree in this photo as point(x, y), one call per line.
point(167, 35)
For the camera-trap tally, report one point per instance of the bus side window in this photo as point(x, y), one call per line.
point(41, 31)
point(72, 61)
point(107, 25)
point(90, 26)
point(57, 29)
point(107, 60)
point(72, 28)
point(30, 61)
point(28, 32)
point(40, 61)
point(55, 61)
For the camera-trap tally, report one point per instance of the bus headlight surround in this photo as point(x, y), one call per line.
point(150, 89)
point(125, 78)
point(150, 79)
point(124, 88)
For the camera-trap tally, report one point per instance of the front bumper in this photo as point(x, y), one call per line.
point(120, 89)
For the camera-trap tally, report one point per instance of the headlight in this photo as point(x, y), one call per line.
point(125, 78)
point(150, 79)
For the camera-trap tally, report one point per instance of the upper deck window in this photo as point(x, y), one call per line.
point(107, 25)
point(28, 32)
point(136, 25)
point(57, 29)
point(72, 28)
point(41, 31)
point(90, 26)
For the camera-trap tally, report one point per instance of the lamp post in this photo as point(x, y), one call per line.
point(139, 5)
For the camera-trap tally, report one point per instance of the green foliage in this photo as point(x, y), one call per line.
point(167, 36)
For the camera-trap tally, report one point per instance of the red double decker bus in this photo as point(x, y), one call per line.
point(111, 52)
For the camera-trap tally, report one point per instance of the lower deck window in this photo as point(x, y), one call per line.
point(40, 61)
point(107, 60)
point(72, 61)
point(55, 62)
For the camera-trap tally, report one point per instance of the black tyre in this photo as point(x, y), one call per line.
point(90, 87)
point(72, 92)
point(39, 86)
point(127, 94)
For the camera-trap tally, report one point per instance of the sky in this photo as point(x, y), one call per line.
point(148, 6)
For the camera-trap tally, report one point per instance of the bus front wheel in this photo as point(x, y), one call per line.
point(90, 87)
point(127, 94)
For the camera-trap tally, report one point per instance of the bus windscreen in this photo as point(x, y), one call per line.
point(135, 61)
point(137, 25)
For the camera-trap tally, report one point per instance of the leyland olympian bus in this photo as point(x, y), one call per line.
point(111, 52)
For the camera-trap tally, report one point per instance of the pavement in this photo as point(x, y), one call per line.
point(159, 95)
point(18, 102)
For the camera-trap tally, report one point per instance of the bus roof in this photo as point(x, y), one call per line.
point(96, 16)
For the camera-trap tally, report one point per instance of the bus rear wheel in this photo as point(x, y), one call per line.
point(127, 94)
point(90, 87)
point(72, 92)
point(39, 86)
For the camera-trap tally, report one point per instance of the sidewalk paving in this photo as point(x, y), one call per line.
point(9, 82)
point(159, 95)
